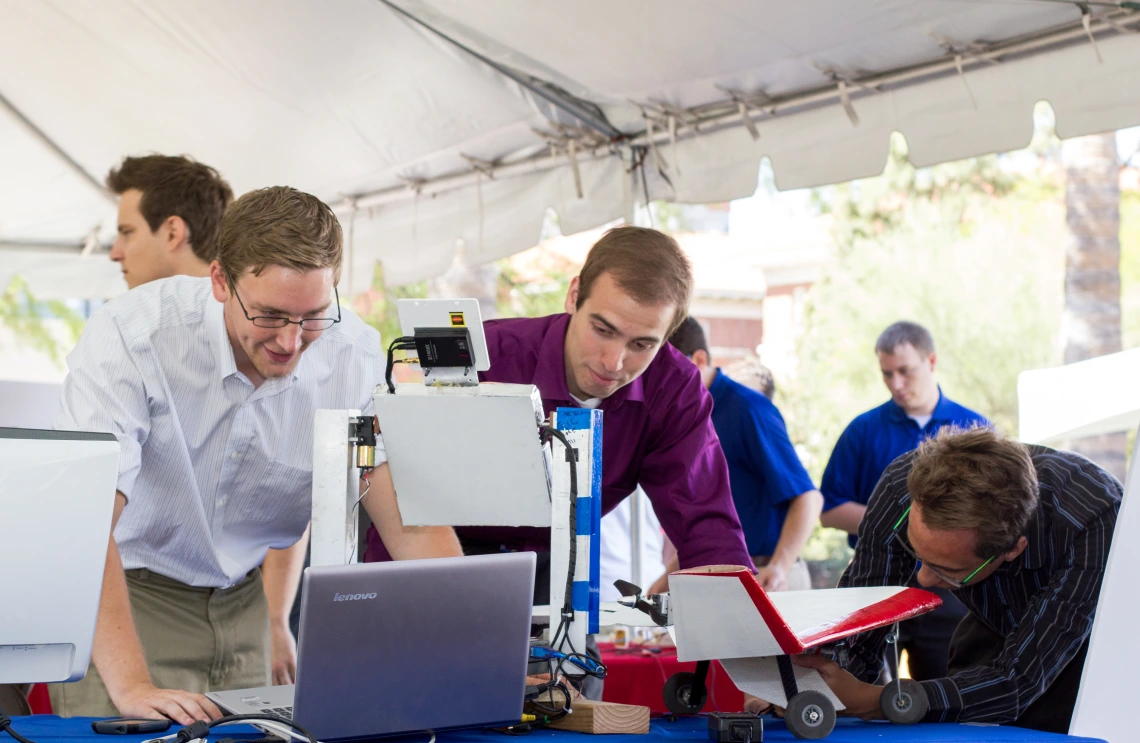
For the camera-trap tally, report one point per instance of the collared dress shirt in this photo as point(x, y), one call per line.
point(656, 431)
point(215, 472)
point(763, 467)
point(1042, 602)
point(875, 439)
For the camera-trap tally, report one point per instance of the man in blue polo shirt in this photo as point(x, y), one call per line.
point(916, 411)
point(774, 496)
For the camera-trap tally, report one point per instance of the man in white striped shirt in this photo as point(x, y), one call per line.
point(211, 386)
point(170, 212)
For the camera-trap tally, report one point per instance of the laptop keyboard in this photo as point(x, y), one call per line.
point(286, 712)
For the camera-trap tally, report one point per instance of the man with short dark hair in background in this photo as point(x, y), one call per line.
point(774, 496)
point(170, 209)
point(916, 411)
point(1021, 534)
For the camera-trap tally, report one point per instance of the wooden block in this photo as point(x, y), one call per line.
point(603, 718)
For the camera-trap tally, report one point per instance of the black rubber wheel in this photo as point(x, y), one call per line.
point(678, 694)
point(810, 715)
point(904, 706)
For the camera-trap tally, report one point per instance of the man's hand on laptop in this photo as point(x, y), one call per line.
point(148, 701)
point(284, 655)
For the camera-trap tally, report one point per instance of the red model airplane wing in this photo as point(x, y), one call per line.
point(722, 612)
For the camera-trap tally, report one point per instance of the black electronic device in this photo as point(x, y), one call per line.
point(735, 727)
point(129, 726)
point(444, 347)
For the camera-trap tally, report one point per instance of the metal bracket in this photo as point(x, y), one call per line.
point(699, 689)
point(787, 676)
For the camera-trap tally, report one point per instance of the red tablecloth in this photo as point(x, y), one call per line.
point(637, 676)
point(39, 699)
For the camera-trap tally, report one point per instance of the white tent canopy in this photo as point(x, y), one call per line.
point(424, 122)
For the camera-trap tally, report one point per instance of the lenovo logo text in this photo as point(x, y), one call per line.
point(353, 596)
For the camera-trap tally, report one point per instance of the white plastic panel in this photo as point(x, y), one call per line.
point(336, 489)
point(715, 618)
point(466, 456)
point(56, 502)
point(1106, 684)
point(760, 677)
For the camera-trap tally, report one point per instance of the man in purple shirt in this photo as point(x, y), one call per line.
point(609, 351)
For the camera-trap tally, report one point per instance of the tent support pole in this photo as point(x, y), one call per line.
point(715, 116)
point(58, 151)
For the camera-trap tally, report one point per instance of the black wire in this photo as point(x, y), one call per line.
point(403, 343)
point(6, 725)
point(190, 732)
point(550, 714)
point(599, 673)
point(546, 714)
point(571, 457)
point(553, 713)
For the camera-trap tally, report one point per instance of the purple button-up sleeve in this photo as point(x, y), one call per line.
point(686, 478)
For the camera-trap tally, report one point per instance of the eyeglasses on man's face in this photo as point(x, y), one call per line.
point(278, 321)
point(952, 582)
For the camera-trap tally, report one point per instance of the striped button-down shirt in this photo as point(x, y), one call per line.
point(215, 471)
point(1042, 603)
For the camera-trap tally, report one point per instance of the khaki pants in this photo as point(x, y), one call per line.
point(195, 639)
point(799, 578)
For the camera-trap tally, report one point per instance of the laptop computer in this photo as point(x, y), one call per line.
point(400, 647)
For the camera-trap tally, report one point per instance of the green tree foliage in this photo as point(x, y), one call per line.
point(28, 318)
point(521, 296)
point(377, 306)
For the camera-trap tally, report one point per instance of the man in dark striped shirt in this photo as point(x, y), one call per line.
point(1022, 534)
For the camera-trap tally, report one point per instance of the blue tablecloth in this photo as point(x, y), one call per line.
point(52, 729)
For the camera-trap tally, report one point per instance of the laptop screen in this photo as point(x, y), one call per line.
point(382, 646)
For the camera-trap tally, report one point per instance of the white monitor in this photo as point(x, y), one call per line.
point(57, 497)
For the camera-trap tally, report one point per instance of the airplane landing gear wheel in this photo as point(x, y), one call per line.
point(904, 702)
point(679, 695)
point(810, 715)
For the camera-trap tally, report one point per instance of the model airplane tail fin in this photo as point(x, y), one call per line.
point(720, 611)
